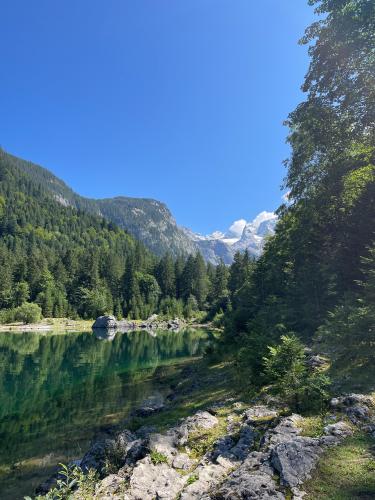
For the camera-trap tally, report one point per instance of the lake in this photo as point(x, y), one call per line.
point(58, 390)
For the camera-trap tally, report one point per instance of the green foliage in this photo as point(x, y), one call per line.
point(70, 480)
point(25, 313)
point(192, 479)
point(28, 313)
point(158, 458)
point(285, 368)
point(348, 333)
point(310, 276)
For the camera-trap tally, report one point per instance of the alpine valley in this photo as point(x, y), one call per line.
point(151, 222)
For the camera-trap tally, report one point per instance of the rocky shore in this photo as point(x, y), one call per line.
point(229, 451)
point(124, 325)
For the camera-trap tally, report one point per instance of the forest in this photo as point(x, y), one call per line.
point(58, 261)
point(314, 283)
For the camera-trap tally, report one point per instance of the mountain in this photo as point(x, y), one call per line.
point(151, 222)
point(241, 236)
point(148, 220)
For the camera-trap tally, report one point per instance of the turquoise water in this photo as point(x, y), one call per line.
point(57, 390)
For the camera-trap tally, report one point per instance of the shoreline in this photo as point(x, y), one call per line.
point(81, 325)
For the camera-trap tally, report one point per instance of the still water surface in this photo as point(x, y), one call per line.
point(57, 390)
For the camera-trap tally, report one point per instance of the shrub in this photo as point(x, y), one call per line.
point(285, 368)
point(28, 313)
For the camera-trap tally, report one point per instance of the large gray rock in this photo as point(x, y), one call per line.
point(108, 322)
point(109, 488)
point(286, 430)
point(245, 443)
point(294, 460)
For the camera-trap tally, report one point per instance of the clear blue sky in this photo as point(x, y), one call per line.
point(178, 100)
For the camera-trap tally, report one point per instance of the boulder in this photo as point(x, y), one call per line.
point(105, 322)
point(294, 460)
point(108, 487)
point(201, 420)
point(245, 443)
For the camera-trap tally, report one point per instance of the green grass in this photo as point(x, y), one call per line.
point(312, 426)
point(346, 472)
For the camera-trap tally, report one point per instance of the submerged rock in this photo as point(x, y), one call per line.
point(152, 404)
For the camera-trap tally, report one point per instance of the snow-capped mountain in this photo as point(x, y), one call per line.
point(242, 235)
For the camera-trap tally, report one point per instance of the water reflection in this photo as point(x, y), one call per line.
point(57, 389)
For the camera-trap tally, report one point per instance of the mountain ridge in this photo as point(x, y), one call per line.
point(151, 222)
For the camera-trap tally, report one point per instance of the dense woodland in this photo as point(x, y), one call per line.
point(71, 263)
point(315, 279)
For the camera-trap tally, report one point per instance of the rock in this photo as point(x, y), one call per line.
point(154, 481)
point(341, 429)
point(294, 460)
point(358, 413)
point(109, 486)
point(164, 444)
point(286, 430)
point(152, 404)
point(222, 447)
point(118, 450)
point(105, 322)
point(315, 361)
point(201, 420)
point(252, 480)
point(207, 476)
point(259, 413)
point(244, 444)
point(334, 403)
point(355, 399)
point(183, 462)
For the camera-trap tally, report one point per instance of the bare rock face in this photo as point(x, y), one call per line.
point(109, 322)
